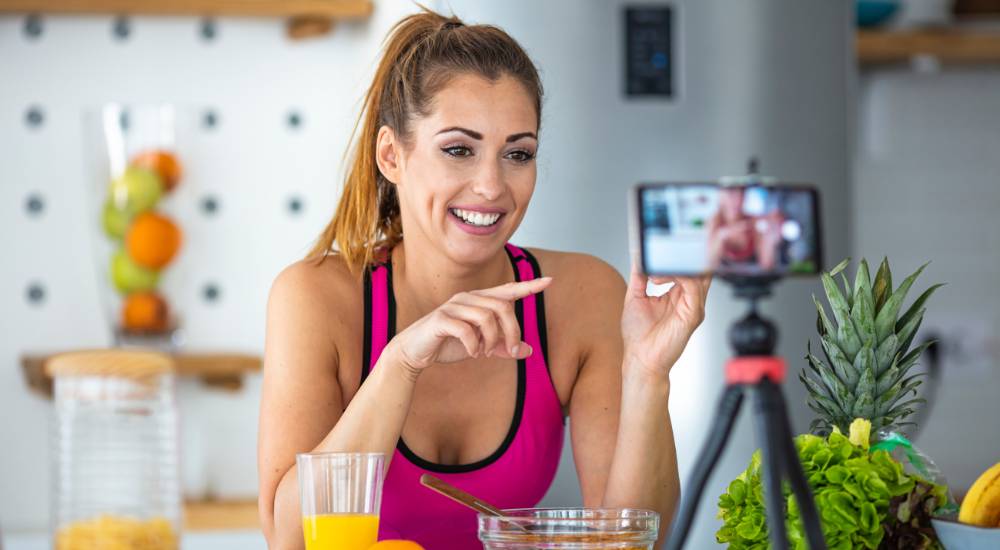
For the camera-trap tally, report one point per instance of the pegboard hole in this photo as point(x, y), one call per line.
point(211, 293)
point(121, 29)
point(33, 27)
point(34, 117)
point(208, 30)
point(209, 119)
point(124, 120)
point(296, 205)
point(34, 205)
point(35, 294)
point(210, 205)
point(295, 120)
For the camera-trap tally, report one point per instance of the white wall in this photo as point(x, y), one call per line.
point(927, 188)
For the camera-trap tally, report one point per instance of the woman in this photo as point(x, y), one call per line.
point(739, 241)
point(440, 348)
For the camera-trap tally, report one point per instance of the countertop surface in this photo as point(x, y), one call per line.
point(221, 540)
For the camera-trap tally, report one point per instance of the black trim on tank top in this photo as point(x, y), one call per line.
point(366, 353)
point(543, 335)
point(522, 378)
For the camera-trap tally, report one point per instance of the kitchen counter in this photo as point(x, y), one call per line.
point(219, 540)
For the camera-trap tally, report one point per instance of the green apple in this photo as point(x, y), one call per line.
point(115, 220)
point(136, 190)
point(128, 276)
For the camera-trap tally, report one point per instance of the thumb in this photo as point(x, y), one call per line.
point(637, 280)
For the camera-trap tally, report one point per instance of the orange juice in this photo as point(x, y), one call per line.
point(340, 531)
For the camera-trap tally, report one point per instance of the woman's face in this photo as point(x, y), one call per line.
point(467, 173)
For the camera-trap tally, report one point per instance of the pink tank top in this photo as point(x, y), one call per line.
point(516, 475)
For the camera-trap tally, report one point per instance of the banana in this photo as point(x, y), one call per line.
point(981, 505)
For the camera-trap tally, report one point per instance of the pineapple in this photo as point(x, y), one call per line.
point(867, 352)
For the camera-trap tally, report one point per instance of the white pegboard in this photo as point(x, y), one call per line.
point(251, 79)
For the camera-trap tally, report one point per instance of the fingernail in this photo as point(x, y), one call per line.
point(529, 351)
point(514, 349)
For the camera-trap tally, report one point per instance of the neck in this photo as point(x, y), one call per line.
point(430, 279)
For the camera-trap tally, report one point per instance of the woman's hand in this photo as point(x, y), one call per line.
point(656, 329)
point(479, 323)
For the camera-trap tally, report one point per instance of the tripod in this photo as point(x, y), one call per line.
point(755, 367)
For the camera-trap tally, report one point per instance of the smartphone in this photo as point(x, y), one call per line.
point(731, 230)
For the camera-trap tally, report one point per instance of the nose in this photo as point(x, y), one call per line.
point(489, 182)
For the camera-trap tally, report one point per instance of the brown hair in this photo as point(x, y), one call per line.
point(422, 53)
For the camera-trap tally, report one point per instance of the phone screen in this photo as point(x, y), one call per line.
point(694, 228)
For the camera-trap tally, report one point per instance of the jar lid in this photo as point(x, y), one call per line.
point(109, 362)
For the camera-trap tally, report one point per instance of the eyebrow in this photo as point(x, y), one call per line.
point(476, 135)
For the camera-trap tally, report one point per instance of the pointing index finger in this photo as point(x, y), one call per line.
point(516, 290)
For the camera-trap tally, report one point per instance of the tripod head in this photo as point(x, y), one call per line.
point(752, 335)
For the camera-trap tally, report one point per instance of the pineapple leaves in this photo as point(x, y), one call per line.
point(915, 309)
point(866, 336)
point(847, 290)
point(822, 320)
point(885, 321)
point(863, 309)
point(885, 353)
point(882, 287)
point(909, 330)
point(864, 405)
point(846, 333)
point(839, 267)
point(841, 365)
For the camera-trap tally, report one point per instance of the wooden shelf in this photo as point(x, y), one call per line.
point(219, 515)
point(221, 370)
point(949, 45)
point(306, 18)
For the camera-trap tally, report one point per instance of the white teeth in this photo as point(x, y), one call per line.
point(476, 218)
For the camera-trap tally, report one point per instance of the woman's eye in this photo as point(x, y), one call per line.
point(457, 151)
point(520, 156)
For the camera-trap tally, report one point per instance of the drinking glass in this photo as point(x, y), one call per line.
point(340, 496)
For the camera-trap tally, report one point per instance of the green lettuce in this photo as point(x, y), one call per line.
point(865, 499)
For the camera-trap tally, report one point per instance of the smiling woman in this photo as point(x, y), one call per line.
point(415, 329)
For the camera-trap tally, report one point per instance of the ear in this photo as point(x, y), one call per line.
point(387, 149)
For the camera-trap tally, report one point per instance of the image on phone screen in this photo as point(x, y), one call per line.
point(687, 229)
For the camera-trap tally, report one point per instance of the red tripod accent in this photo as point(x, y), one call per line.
point(752, 369)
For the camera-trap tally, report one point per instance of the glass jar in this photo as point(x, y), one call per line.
point(142, 204)
point(570, 528)
point(116, 479)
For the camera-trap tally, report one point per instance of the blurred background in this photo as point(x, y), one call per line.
point(898, 124)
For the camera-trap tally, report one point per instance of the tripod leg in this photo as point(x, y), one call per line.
point(773, 461)
point(797, 479)
point(728, 408)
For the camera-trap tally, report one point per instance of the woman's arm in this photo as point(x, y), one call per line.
point(622, 437)
point(302, 400)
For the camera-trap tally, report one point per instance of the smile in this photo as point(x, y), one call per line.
point(477, 219)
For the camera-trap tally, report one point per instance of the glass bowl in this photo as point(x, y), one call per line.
point(570, 528)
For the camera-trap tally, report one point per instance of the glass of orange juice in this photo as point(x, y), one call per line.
point(340, 495)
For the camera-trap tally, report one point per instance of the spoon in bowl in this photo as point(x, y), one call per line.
point(466, 499)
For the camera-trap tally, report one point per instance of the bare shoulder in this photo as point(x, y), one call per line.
point(313, 295)
point(574, 273)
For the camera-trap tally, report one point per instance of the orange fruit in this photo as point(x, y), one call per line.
point(164, 163)
point(145, 312)
point(152, 240)
point(395, 545)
